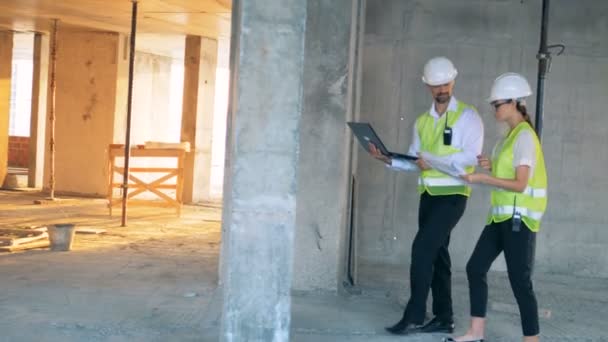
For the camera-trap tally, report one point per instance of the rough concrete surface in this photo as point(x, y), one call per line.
point(485, 39)
point(322, 173)
point(261, 170)
point(156, 281)
point(151, 281)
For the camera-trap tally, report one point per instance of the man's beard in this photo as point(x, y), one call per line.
point(442, 98)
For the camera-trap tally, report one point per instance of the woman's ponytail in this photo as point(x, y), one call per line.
point(524, 112)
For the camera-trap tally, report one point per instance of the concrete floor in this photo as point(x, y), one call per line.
point(156, 281)
point(572, 309)
point(152, 281)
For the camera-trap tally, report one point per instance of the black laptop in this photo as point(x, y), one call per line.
point(366, 134)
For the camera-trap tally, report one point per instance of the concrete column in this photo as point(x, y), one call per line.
point(39, 109)
point(261, 171)
point(86, 105)
point(200, 64)
point(323, 178)
point(6, 62)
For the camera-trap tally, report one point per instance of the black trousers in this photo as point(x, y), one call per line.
point(430, 267)
point(519, 249)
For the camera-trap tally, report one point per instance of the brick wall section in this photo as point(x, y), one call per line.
point(18, 151)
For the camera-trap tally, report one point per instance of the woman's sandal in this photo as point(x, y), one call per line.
point(449, 339)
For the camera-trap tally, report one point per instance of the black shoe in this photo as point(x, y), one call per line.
point(404, 327)
point(449, 339)
point(437, 325)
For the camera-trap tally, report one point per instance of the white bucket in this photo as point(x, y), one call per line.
point(61, 236)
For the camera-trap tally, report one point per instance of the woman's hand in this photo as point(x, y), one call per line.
point(475, 178)
point(375, 152)
point(518, 184)
point(484, 162)
point(422, 164)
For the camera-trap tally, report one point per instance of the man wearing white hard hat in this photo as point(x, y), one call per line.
point(517, 206)
point(447, 138)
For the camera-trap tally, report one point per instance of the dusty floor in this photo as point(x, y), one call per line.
point(156, 281)
point(151, 281)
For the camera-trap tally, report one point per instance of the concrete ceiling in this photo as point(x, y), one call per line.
point(210, 18)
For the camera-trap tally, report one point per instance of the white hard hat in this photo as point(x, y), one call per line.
point(510, 86)
point(438, 71)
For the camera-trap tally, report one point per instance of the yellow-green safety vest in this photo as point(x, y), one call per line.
point(435, 182)
point(532, 202)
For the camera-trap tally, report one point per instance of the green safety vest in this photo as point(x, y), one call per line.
point(433, 181)
point(532, 202)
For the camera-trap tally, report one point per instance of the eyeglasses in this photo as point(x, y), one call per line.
point(498, 104)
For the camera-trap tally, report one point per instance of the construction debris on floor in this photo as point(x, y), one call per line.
point(19, 239)
point(12, 240)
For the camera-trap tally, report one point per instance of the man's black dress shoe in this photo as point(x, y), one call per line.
point(437, 325)
point(403, 328)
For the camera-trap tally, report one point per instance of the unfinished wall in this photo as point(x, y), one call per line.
point(197, 116)
point(323, 170)
point(86, 104)
point(485, 39)
point(222, 76)
point(18, 151)
point(152, 118)
point(6, 57)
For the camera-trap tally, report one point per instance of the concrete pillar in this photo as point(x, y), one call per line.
point(87, 103)
point(323, 178)
point(6, 62)
point(39, 109)
point(267, 55)
point(200, 64)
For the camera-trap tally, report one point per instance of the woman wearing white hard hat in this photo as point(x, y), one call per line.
point(518, 202)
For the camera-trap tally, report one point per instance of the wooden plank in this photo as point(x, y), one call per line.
point(142, 152)
point(149, 186)
point(54, 201)
point(151, 203)
point(110, 179)
point(138, 186)
point(21, 233)
point(180, 183)
point(21, 241)
point(90, 230)
point(146, 169)
point(24, 236)
point(31, 245)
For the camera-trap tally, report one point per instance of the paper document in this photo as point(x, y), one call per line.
point(403, 165)
point(451, 169)
point(441, 164)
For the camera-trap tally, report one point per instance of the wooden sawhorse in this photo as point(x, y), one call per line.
point(138, 186)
